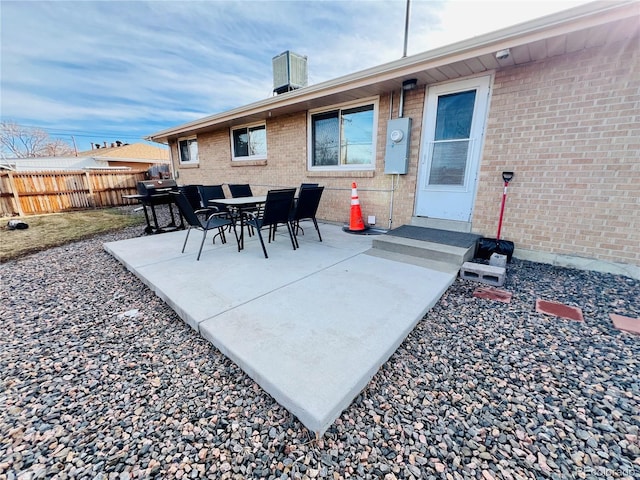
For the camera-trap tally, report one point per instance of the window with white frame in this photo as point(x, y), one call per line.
point(249, 142)
point(343, 137)
point(188, 150)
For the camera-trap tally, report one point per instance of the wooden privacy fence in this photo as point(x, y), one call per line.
point(31, 193)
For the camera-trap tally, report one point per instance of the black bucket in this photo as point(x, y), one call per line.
point(489, 246)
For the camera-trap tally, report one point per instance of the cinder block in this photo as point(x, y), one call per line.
point(497, 260)
point(483, 273)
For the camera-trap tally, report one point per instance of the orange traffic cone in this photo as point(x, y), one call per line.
point(356, 223)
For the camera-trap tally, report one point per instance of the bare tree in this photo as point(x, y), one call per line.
point(24, 142)
point(58, 148)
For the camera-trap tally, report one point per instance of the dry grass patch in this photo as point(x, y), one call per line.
point(46, 231)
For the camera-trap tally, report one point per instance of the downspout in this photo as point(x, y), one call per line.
point(391, 201)
point(175, 174)
point(396, 181)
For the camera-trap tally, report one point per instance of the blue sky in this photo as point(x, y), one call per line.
point(121, 70)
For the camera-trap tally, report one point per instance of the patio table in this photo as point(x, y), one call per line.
point(238, 204)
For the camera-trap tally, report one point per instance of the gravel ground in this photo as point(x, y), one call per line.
point(101, 380)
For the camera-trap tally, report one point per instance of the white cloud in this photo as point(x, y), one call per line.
point(464, 19)
point(135, 66)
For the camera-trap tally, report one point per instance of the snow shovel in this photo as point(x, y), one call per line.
point(488, 246)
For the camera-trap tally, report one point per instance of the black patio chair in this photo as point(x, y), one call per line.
point(295, 201)
point(305, 209)
point(244, 190)
point(192, 194)
point(240, 190)
point(212, 192)
point(275, 211)
point(214, 221)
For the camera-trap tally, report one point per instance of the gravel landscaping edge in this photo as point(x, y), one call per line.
point(102, 380)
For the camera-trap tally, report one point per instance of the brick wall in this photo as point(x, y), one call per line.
point(286, 166)
point(569, 128)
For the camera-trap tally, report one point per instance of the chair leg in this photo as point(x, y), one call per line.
point(235, 233)
point(249, 227)
point(221, 234)
point(185, 240)
point(264, 249)
point(295, 234)
point(294, 241)
point(317, 229)
point(204, 236)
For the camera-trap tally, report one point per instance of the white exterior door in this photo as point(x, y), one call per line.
point(454, 121)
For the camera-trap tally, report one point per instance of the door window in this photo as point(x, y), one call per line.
point(450, 147)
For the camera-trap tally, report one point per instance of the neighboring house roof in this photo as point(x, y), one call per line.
point(98, 158)
point(134, 152)
point(52, 163)
point(586, 26)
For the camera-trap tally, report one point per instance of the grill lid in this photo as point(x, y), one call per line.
point(149, 187)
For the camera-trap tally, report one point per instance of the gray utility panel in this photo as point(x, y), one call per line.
point(396, 158)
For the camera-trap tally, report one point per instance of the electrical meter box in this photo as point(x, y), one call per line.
point(396, 157)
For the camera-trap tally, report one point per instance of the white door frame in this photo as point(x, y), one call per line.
point(436, 200)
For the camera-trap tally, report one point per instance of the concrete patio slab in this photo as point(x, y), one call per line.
point(310, 326)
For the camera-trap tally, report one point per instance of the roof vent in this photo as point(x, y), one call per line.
point(289, 72)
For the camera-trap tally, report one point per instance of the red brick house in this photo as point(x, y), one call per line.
point(555, 100)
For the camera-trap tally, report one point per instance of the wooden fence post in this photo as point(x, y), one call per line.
point(16, 196)
point(92, 200)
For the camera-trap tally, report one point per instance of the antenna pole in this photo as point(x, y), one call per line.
point(406, 29)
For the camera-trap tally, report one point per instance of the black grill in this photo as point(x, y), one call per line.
point(151, 188)
point(157, 192)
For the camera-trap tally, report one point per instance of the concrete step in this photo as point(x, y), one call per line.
point(429, 250)
point(444, 267)
point(451, 225)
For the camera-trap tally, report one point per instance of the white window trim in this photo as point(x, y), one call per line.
point(341, 168)
point(248, 157)
point(190, 162)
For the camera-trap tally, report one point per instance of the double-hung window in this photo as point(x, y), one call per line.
point(188, 150)
point(249, 142)
point(343, 137)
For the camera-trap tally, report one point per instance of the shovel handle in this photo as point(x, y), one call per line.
point(504, 197)
point(506, 176)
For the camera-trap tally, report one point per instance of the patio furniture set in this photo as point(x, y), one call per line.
point(206, 207)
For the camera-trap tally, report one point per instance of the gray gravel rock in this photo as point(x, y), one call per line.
point(100, 379)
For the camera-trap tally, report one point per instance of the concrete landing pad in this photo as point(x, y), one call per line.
point(310, 326)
